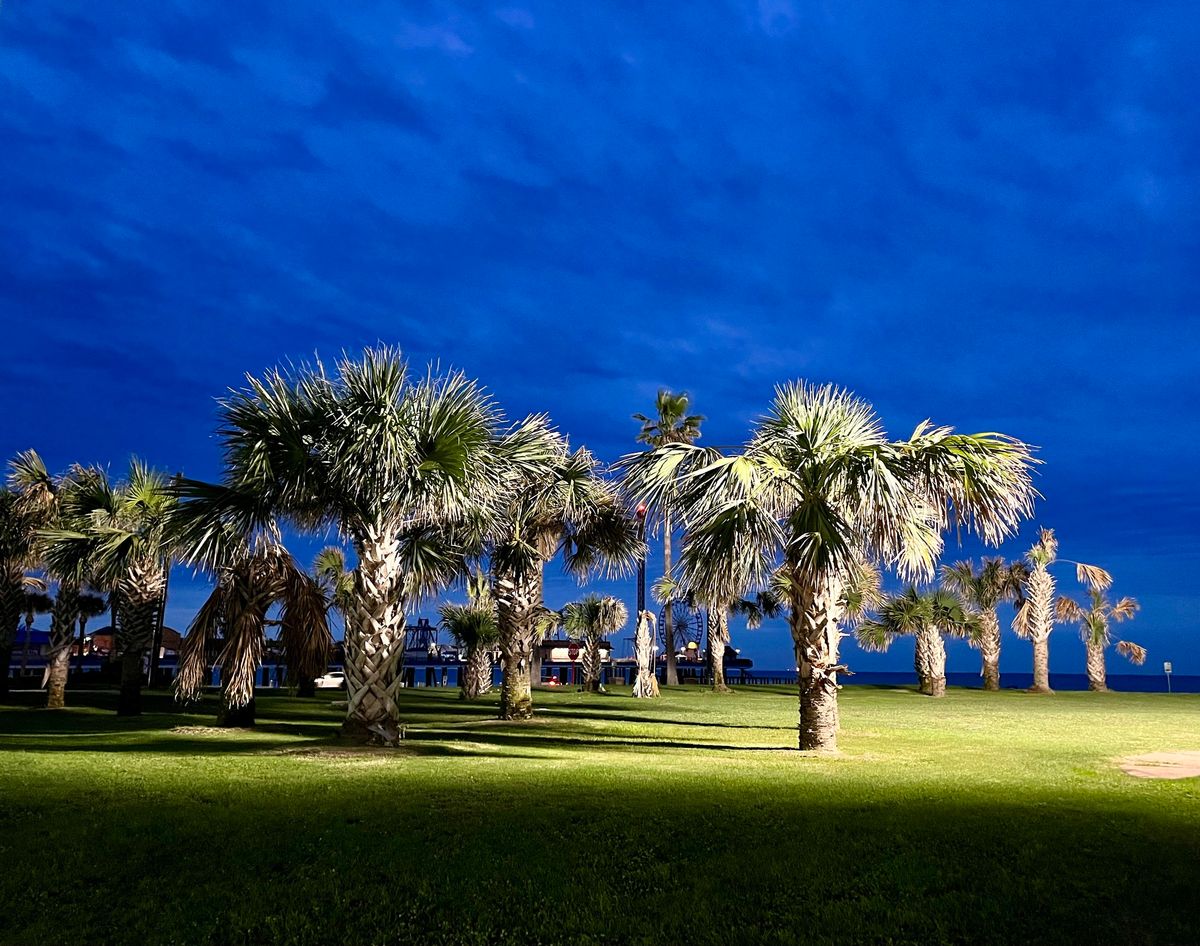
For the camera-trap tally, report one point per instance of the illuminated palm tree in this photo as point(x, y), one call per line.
point(819, 490)
point(389, 461)
point(1035, 617)
point(592, 619)
point(671, 424)
point(474, 627)
point(984, 589)
point(927, 616)
point(557, 505)
point(254, 573)
point(1094, 623)
point(122, 536)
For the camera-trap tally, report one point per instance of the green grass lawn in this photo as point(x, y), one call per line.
point(980, 818)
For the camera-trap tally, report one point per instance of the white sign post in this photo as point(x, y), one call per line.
point(1167, 671)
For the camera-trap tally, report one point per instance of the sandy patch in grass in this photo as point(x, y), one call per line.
point(1162, 765)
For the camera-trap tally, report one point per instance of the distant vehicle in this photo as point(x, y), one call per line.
point(333, 680)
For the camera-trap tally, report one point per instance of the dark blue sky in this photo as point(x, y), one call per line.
point(986, 214)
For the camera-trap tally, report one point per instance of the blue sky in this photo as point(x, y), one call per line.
point(983, 214)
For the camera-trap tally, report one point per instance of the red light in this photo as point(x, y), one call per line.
point(641, 510)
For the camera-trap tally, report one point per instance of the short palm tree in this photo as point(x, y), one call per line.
point(474, 627)
point(927, 616)
point(985, 588)
point(1035, 617)
point(386, 459)
point(1094, 622)
point(23, 512)
point(671, 424)
point(557, 505)
point(254, 573)
point(592, 619)
point(121, 534)
point(36, 601)
point(818, 491)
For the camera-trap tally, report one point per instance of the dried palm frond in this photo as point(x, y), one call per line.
point(1093, 576)
point(1135, 653)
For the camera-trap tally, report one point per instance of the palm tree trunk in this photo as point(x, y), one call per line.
point(62, 636)
point(306, 687)
point(1041, 666)
point(518, 597)
point(58, 668)
point(671, 677)
point(136, 617)
point(1041, 601)
point(591, 662)
point(1096, 671)
point(235, 717)
point(476, 673)
point(718, 637)
point(930, 662)
point(814, 625)
point(374, 641)
point(645, 685)
point(989, 649)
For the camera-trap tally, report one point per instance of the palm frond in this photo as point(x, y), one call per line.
point(1134, 653)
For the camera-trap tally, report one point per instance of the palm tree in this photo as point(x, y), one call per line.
point(1035, 617)
point(35, 602)
point(388, 460)
point(556, 504)
point(122, 536)
point(671, 424)
point(984, 589)
point(91, 605)
point(1094, 623)
point(254, 573)
point(927, 616)
point(336, 582)
point(592, 619)
point(818, 491)
point(474, 627)
point(28, 473)
point(24, 509)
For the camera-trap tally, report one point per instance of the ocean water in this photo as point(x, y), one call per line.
point(1129, 682)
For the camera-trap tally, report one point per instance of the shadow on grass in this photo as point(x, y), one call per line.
point(675, 859)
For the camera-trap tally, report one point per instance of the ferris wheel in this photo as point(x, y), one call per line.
point(687, 626)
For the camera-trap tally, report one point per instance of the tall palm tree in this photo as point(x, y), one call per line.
point(592, 619)
point(388, 460)
point(1094, 623)
point(927, 616)
point(121, 535)
point(557, 505)
point(91, 605)
point(985, 588)
point(28, 473)
point(671, 424)
point(254, 573)
point(1035, 617)
point(24, 509)
point(474, 627)
point(818, 491)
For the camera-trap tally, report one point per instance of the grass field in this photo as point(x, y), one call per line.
point(980, 818)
